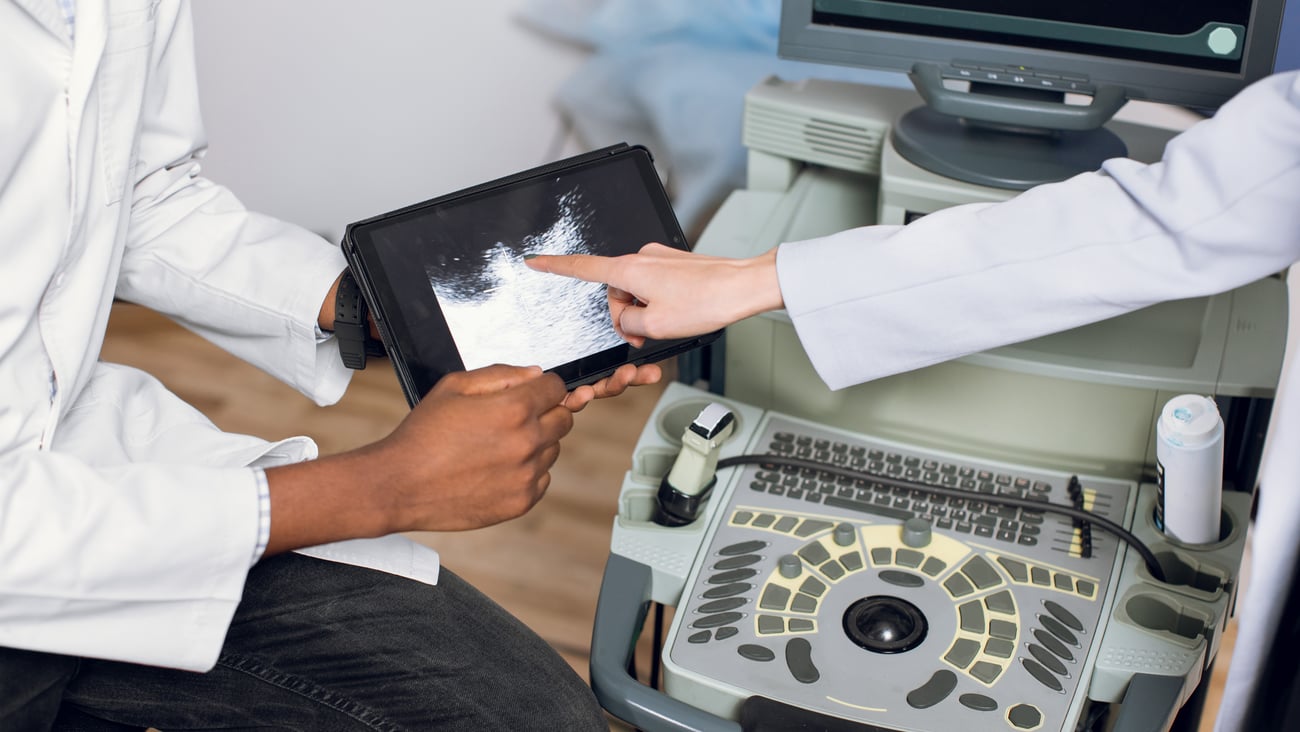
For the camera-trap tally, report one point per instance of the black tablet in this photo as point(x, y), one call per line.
point(449, 290)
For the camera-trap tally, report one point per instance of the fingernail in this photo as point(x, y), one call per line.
point(530, 256)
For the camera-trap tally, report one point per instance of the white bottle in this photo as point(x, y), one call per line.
point(1189, 469)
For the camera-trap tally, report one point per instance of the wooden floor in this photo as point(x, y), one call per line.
point(544, 567)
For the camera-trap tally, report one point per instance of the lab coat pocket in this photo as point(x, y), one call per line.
point(123, 74)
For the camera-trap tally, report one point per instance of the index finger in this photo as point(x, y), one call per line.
point(586, 267)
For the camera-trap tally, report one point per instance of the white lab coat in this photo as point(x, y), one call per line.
point(127, 520)
point(1220, 210)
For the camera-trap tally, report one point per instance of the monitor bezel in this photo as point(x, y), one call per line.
point(803, 40)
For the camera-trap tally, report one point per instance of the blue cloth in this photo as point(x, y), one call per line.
point(672, 75)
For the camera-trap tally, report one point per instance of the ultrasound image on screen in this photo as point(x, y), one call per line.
point(466, 259)
point(500, 311)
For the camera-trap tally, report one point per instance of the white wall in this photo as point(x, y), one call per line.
point(324, 112)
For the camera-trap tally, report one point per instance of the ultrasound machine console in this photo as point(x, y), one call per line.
point(909, 554)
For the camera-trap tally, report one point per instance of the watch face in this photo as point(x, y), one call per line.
point(450, 279)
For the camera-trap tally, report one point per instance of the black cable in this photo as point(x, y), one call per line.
point(1153, 566)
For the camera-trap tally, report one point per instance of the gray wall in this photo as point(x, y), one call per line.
point(323, 112)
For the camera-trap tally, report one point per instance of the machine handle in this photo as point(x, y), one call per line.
point(1106, 101)
point(620, 615)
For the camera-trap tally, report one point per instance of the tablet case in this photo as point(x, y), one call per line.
point(418, 364)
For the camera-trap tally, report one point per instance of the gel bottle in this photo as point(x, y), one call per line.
point(1189, 469)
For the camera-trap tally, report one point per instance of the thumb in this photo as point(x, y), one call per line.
point(499, 377)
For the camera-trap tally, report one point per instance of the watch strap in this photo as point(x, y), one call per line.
point(351, 324)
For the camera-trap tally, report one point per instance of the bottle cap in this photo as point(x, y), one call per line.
point(1190, 420)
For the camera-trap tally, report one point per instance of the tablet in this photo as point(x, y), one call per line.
point(448, 288)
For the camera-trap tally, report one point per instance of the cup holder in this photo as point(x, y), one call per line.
point(674, 420)
point(649, 466)
point(1159, 614)
point(1227, 532)
point(1186, 571)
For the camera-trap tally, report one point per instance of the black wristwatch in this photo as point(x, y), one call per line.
point(352, 324)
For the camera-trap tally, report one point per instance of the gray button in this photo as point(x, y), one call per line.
point(978, 702)
point(1025, 716)
point(701, 637)
point(801, 625)
point(725, 633)
point(985, 671)
point(713, 621)
point(744, 547)
point(769, 624)
point(721, 606)
point(764, 520)
point(972, 616)
point(744, 560)
point(810, 527)
point(785, 524)
point(899, 578)
point(1001, 602)
point(963, 651)
point(1043, 676)
point(1055, 627)
point(1046, 658)
point(755, 652)
point(852, 561)
point(1052, 644)
point(813, 586)
point(957, 585)
point(908, 558)
point(845, 534)
point(1085, 588)
point(933, 691)
point(981, 572)
point(1017, 569)
point(740, 518)
point(881, 555)
point(832, 569)
point(1063, 615)
point(1064, 582)
point(1002, 629)
point(735, 588)
point(1000, 648)
point(814, 553)
point(1040, 576)
point(804, 604)
point(933, 566)
point(734, 575)
point(798, 658)
point(775, 597)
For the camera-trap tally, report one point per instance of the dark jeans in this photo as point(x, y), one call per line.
point(318, 646)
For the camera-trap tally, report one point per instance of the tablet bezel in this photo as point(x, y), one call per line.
point(418, 373)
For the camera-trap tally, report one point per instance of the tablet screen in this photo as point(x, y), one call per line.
point(451, 281)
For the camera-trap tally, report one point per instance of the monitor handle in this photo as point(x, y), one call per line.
point(1012, 111)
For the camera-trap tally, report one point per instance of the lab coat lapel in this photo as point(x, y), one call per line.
point(47, 13)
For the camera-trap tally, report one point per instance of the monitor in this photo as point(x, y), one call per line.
point(1033, 83)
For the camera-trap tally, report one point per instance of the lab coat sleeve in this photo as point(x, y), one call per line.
point(1220, 210)
point(247, 282)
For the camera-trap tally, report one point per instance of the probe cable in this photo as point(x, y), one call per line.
point(1153, 565)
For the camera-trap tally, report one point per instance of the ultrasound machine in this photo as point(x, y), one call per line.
point(971, 545)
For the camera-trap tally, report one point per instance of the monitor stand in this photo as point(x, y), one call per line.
point(1000, 157)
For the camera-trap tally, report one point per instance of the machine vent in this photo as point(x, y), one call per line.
point(852, 144)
